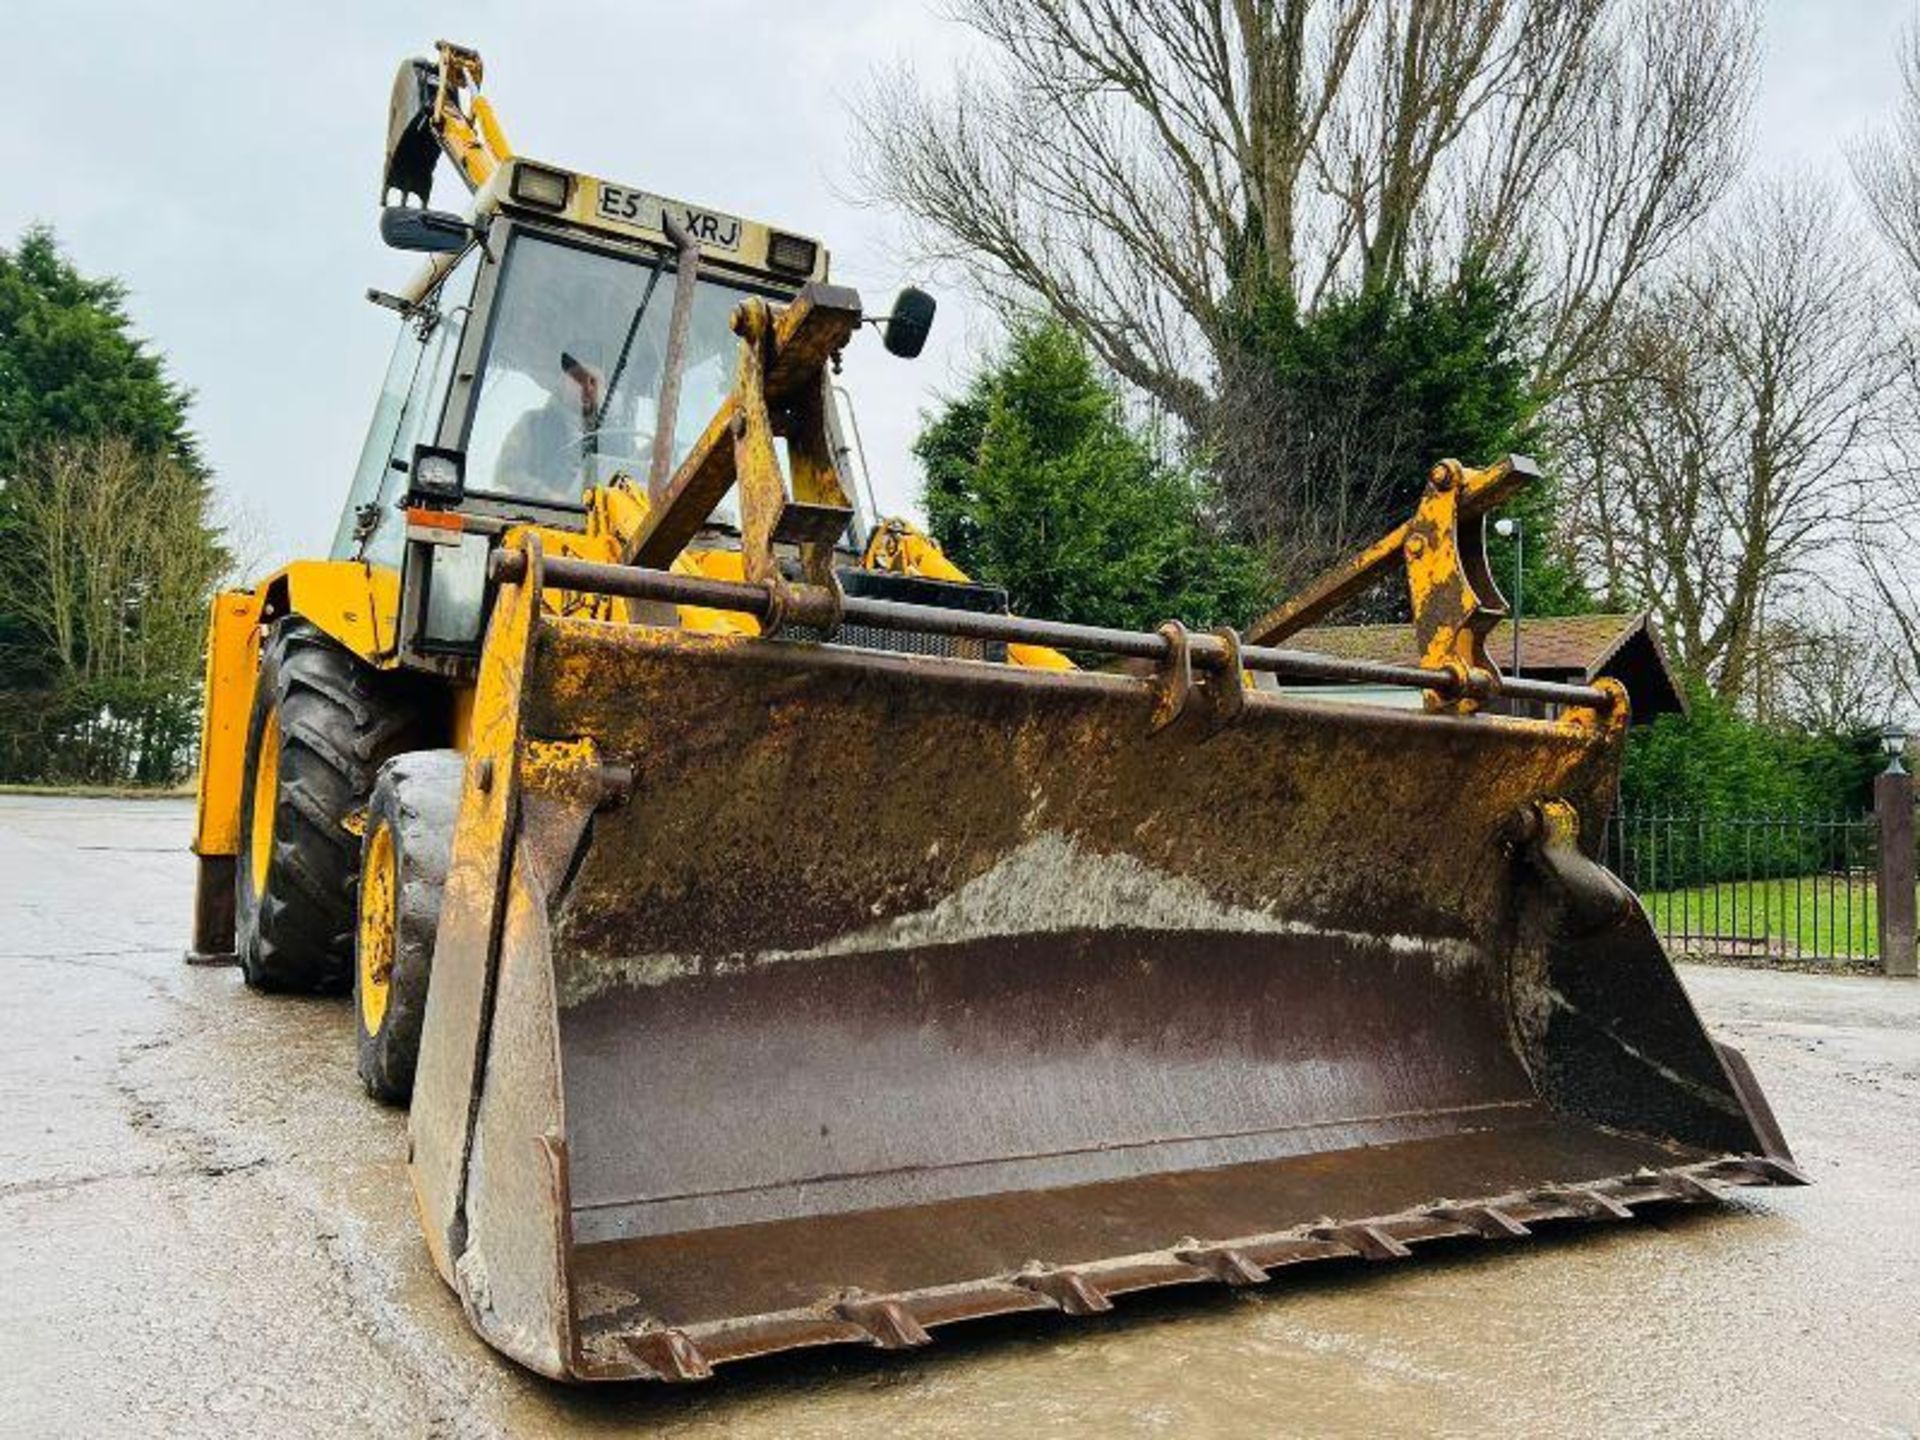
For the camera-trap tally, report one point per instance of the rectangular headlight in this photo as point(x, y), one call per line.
point(791, 253)
point(538, 186)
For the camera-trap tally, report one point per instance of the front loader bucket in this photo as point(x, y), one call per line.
point(790, 994)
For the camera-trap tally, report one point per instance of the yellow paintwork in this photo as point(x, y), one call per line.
point(1451, 617)
point(460, 717)
point(464, 143)
point(488, 124)
point(355, 603)
point(233, 660)
point(1608, 724)
point(619, 510)
point(714, 565)
point(1465, 494)
point(463, 121)
point(266, 786)
point(558, 766)
point(600, 205)
point(475, 872)
point(379, 902)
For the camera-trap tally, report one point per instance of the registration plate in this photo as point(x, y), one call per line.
point(642, 211)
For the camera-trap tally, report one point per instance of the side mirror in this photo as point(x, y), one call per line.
point(433, 232)
point(905, 330)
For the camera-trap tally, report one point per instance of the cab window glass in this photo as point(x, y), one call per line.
point(567, 392)
point(429, 343)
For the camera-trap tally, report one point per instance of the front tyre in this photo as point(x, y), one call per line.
point(403, 869)
point(323, 723)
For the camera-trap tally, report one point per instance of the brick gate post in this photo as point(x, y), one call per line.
point(1893, 808)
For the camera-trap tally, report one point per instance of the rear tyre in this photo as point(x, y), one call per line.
point(323, 723)
point(403, 868)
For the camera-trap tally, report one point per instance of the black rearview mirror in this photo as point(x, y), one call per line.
point(433, 232)
point(906, 328)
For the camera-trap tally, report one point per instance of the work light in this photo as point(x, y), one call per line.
point(437, 475)
point(792, 254)
point(537, 185)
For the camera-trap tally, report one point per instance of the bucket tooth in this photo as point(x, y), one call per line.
point(670, 1355)
point(1690, 1187)
point(1585, 1201)
point(1489, 1222)
point(890, 1323)
point(1225, 1264)
point(1766, 1170)
point(1369, 1242)
point(1071, 1291)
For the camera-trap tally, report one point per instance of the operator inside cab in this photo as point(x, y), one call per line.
point(568, 375)
point(543, 451)
point(572, 367)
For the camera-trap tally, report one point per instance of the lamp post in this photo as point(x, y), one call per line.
point(1893, 740)
point(1507, 527)
point(1893, 809)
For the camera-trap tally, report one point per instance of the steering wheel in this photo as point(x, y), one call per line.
point(569, 453)
point(607, 432)
point(612, 432)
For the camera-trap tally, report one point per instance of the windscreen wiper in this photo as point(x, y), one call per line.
point(626, 345)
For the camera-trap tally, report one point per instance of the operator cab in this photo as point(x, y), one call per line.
point(528, 371)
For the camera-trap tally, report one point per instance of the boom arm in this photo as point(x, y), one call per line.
point(437, 109)
point(1443, 547)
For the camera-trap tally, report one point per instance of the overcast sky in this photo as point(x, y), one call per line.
point(223, 159)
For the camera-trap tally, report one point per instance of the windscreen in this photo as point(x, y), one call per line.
point(573, 365)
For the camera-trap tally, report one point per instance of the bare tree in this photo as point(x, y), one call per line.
point(1886, 166)
point(1886, 535)
point(1831, 675)
point(108, 568)
point(1893, 588)
point(1133, 165)
point(1886, 169)
point(1716, 451)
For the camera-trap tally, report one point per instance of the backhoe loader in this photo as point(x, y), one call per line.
point(781, 944)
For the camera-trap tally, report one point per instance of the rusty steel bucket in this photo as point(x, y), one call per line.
point(789, 994)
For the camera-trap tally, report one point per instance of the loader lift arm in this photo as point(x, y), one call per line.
point(780, 389)
point(1456, 602)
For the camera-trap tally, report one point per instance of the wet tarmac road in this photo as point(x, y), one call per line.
point(205, 1229)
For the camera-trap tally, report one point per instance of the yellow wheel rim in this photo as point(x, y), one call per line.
point(378, 895)
point(266, 788)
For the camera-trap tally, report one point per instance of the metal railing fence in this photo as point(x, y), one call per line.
point(1776, 886)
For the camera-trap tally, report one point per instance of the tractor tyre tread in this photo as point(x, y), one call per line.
point(417, 796)
point(340, 719)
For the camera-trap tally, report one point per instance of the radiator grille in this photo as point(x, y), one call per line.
point(915, 590)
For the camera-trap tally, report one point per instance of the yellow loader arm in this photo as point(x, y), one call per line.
point(780, 391)
point(1455, 601)
point(617, 514)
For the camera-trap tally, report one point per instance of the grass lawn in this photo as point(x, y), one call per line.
point(1812, 915)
